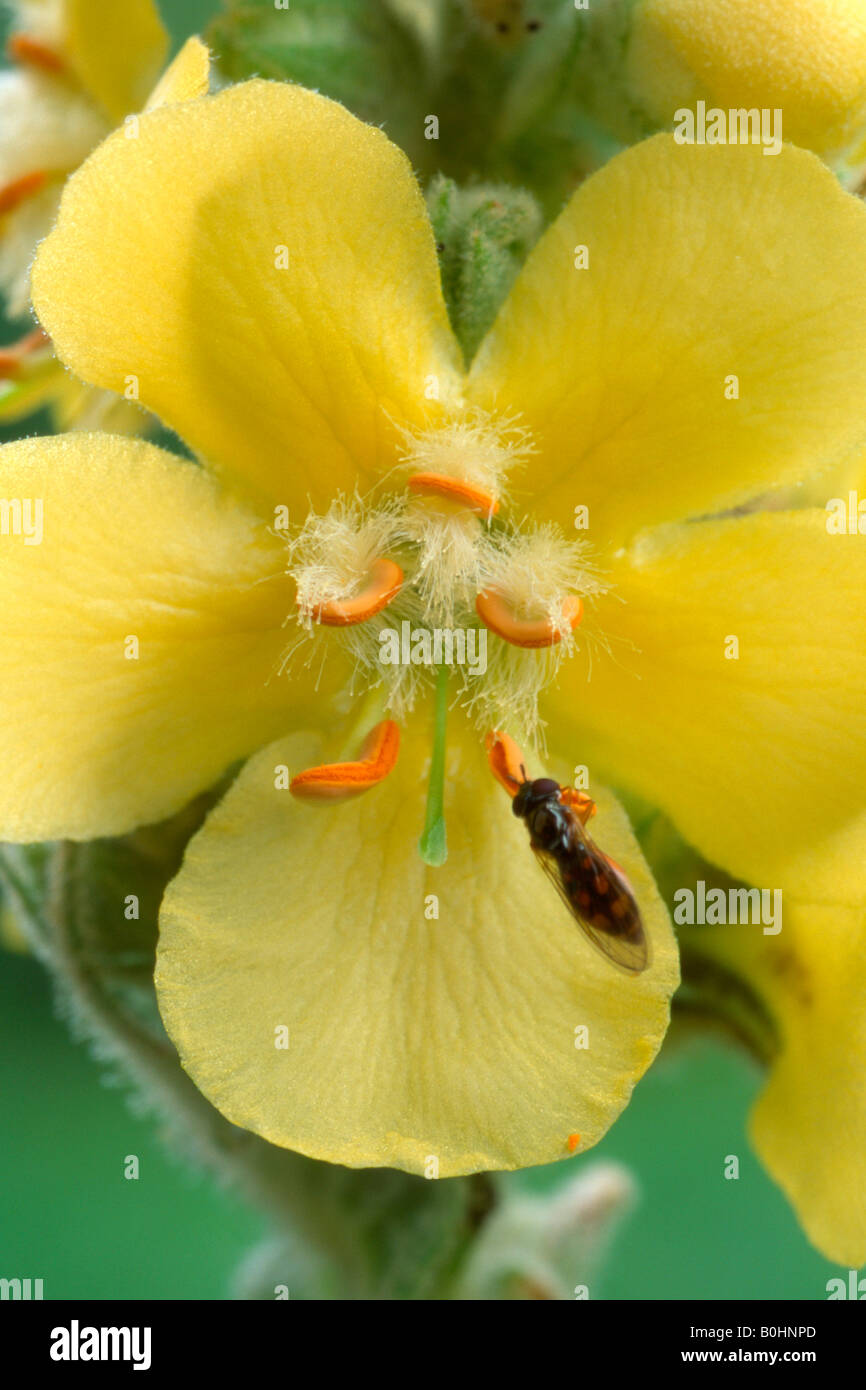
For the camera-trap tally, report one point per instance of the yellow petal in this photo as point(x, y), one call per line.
point(116, 51)
point(283, 303)
point(807, 60)
point(705, 263)
point(809, 1123)
point(185, 78)
point(129, 542)
point(413, 1038)
point(758, 758)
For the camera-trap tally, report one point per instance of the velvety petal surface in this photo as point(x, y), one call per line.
point(431, 1014)
point(758, 757)
point(116, 50)
point(186, 77)
point(705, 263)
point(807, 60)
point(267, 271)
point(140, 635)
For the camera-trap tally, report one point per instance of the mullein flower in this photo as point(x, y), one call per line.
point(79, 67)
point(807, 984)
point(332, 983)
point(806, 60)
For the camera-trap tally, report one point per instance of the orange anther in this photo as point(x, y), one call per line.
point(495, 613)
point(441, 485)
point(573, 1142)
point(12, 357)
point(384, 583)
point(582, 805)
point(507, 762)
point(11, 194)
point(340, 781)
point(21, 48)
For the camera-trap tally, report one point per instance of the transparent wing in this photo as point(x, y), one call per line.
point(599, 898)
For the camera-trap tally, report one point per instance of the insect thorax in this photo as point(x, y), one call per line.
point(549, 822)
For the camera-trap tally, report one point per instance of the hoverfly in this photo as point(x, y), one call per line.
point(594, 889)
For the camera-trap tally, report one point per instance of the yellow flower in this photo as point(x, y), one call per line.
point(809, 1122)
point(280, 304)
point(807, 60)
point(80, 66)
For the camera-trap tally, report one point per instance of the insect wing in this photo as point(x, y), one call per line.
point(598, 896)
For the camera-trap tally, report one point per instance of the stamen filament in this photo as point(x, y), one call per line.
point(433, 845)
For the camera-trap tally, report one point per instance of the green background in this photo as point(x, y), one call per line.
point(68, 1215)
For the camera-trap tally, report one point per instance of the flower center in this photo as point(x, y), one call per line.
point(437, 587)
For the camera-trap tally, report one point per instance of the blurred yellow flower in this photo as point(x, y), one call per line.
point(807, 60)
point(80, 66)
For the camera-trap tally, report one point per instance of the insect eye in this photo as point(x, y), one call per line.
point(545, 786)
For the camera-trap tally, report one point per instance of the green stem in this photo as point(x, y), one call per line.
point(433, 845)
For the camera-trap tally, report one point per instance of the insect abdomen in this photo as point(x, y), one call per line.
point(598, 896)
